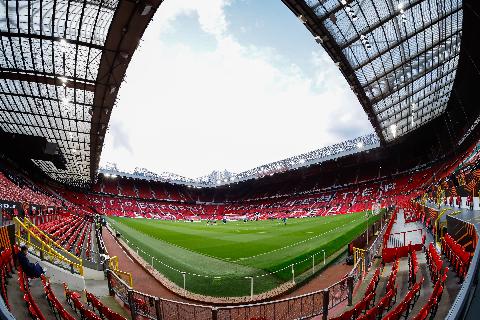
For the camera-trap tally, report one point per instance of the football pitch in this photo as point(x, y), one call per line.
point(216, 259)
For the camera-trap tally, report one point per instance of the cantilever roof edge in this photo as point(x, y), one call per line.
point(399, 57)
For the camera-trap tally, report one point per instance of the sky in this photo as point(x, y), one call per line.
point(227, 85)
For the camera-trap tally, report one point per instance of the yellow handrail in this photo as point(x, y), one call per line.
point(113, 264)
point(50, 241)
point(45, 248)
point(359, 253)
point(440, 214)
point(454, 213)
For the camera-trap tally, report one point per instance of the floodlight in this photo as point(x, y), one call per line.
point(393, 130)
point(63, 80)
point(63, 45)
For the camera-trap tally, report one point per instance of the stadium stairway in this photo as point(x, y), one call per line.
point(452, 285)
point(19, 309)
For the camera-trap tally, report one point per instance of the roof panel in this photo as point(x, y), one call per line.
point(61, 64)
point(70, 20)
point(50, 53)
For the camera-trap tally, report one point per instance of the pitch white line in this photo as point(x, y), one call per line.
point(296, 243)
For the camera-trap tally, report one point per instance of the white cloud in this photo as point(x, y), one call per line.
point(236, 107)
point(211, 14)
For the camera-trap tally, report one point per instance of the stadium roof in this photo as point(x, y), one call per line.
point(62, 62)
point(400, 57)
point(221, 178)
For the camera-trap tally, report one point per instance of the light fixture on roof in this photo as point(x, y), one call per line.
point(349, 10)
point(393, 130)
point(319, 39)
point(63, 80)
point(365, 42)
point(400, 8)
point(63, 45)
point(360, 145)
point(302, 18)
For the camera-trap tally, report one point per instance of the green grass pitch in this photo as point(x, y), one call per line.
point(216, 259)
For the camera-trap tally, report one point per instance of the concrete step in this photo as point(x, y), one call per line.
point(18, 305)
point(15, 299)
point(60, 294)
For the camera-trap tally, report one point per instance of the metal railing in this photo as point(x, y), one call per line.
point(340, 291)
point(47, 249)
point(125, 276)
point(118, 287)
point(374, 249)
point(357, 273)
point(300, 307)
point(174, 310)
point(50, 242)
point(305, 306)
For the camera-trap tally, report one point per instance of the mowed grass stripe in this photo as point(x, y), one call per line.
point(234, 250)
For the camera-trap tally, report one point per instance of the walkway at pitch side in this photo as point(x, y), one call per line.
point(142, 280)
